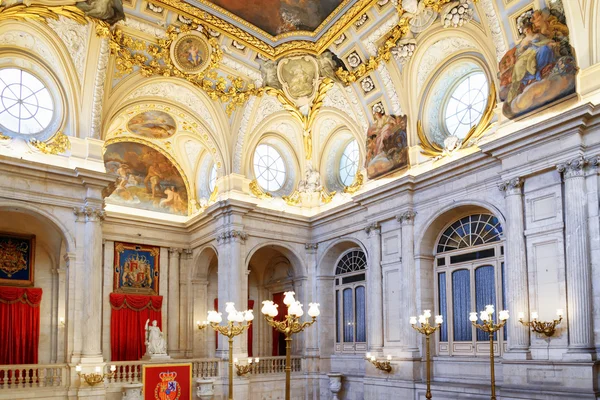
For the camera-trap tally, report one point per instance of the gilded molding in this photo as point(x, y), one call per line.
point(257, 191)
point(57, 144)
point(41, 13)
point(356, 184)
point(277, 51)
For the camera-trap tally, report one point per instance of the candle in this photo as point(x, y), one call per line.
point(439, 319)
point(534, 315)
point(503, 315)
point(473, 317)
point(249, 361)
point(484, 316)
point(521, 315)
point(413, 320)
point(422, 320)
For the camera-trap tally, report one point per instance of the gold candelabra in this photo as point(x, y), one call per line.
point(242, 369)
point(385, 366)
point(289, 326)
point(427, 330)
point(96, 377)
point(233, 328)
point(545, 327)
point(488, 325)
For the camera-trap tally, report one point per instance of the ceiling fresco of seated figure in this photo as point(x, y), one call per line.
point(281, 16)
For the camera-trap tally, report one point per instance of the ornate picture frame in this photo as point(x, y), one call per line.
point(191, 52)
point(17, 259)
point(136, 268)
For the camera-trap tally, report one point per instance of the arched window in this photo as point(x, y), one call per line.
point(465, 104)
point(269, 168)
point(212, 178)
point(350, 302)
point(27, 107)
point(469, 265)
point(349, 163)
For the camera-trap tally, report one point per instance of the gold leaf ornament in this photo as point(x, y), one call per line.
point(58, 144)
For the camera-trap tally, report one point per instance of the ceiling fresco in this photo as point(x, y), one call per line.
point(277, 17)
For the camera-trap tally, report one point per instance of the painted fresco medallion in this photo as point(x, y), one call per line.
point(191, 52)
point(146, 179)
point(153, 124)
point(299, 77)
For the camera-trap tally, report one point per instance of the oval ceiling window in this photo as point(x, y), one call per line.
point(465, 104)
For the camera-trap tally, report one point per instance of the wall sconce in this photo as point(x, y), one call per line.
point(244, 369)
point(202, 325)
point(547, 328)
point(61, 322)
point(96, 377)
point(381, 365)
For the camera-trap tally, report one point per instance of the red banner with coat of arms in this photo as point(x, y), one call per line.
point(167, 382)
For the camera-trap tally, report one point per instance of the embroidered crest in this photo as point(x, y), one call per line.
point(167, 388)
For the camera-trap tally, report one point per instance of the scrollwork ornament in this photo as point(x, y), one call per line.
point(572, 168)
point(58, 144)
point(91, 214)
point(232, 235)
point(356, 184)
point(511, 186)
point(373, 228)
point(407, 217)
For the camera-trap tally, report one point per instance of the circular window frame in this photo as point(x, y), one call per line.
point(51, 83)
point(448, 95)
point(283, 160)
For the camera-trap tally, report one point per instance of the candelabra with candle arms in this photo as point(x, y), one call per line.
point(233, 328)
point(289, 326)
point(97, 376)
point(547, 328)
point(488, 325)
point(242, 369)
point(427, 330)
point(385, 366)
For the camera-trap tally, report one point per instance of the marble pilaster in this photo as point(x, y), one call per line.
point(516, 273)
point(92, 215)
point(375, 290)
point(312, 336)
point(173, 305)
point(408, 282)
point(579, 274)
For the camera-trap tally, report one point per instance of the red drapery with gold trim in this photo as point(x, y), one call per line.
point(19, 324)
point(128, 318)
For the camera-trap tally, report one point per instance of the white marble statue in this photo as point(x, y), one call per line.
point(311, 182)
point(155, 340)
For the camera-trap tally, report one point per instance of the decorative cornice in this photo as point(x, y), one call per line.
point(227, 236)
point(511, 186)
point(311, 246)
point(373, 227)
point(572, 168)
point(91, 214)
point(407, 217)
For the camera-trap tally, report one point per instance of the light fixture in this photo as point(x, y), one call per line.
point(97, 376)
point(202, 325)
point(545, 327)
point(385, 366)
point(233, 328)
point(289, 326)
point(427, 330)
point(242, 369)
point(490, 327)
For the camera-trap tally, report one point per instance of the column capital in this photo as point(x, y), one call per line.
point(594, 161)
point(311, 246)
point(173, 251)
point(511, 186)
point(90, 213)
point(373, 228)
point(228, 236)
point(407, 217)
point(572, 168)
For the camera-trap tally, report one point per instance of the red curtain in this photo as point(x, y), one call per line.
point(250, 307)
point(278, 337)
point(19, 324)
point(128, 318)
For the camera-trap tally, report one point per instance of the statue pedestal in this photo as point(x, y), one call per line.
point(156, 357)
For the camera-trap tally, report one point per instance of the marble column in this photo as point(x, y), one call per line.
point(408, 281)
point(375, 290)
point(516, 269)
point(92, 282)
point(173, 305)
point(579, 274)
point(231, 281)
point(312, 335)
point(187, 324)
